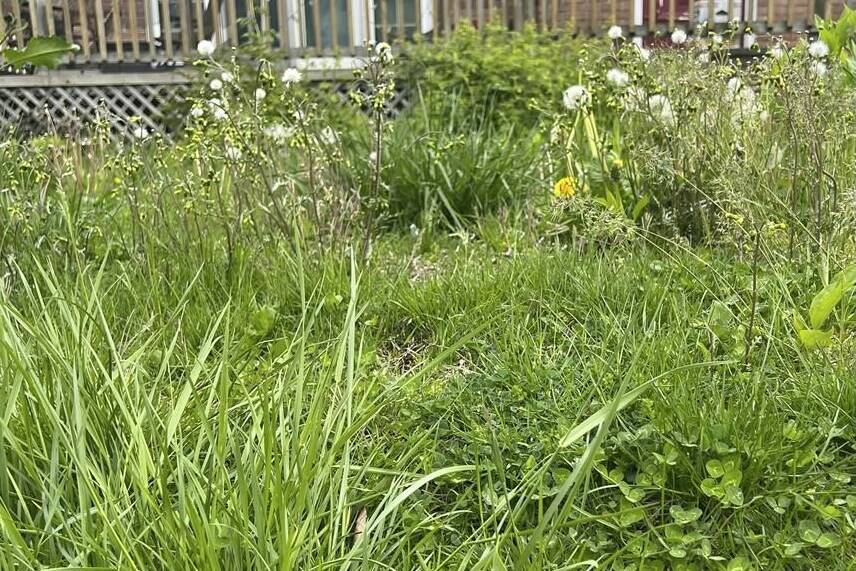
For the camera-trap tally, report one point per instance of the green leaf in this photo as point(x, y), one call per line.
point(809, 531)
point(710, 488)
point(682, 516)
point(42, 51)
point(825, 301)
point(640, 206)
point(714, 468)
point(828, 540)
point(739, 564)
point(733, 495)
point(815, 338)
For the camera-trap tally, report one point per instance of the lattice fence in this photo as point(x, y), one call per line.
point(74, 109)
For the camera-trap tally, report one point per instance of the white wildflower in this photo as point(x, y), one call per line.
point(292, 75)
point(704, 57)
point(776, 52)
point(617, 77)
point(575, 96)
point(216, 84)
point(717, 39)
point(734, 85)
point(661, 109)
point(750, 40)
point(819, 69)
point(383, 51)
point(260, 94)
point(233, 153)
point(227, 77)
point(636, 98)
point(818, 49)
point(373, 157)
point(140, 133)
point(205, 48)
point(679, 37)
point(644, 53)
point(328, 136)
point(196, 112)
point(615, 33)
point(278, 132)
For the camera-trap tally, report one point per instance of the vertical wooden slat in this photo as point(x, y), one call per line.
point(827, 10)
point(232, 17)
point(215, 16)
point(134, 30)
point(350, 24)
point(456, 18)
point(790, 14)
point(771, 13)
point(730, 10)
point(468, 10)
point(632, 15)
point(264, 16)
point(19, 30)
point(691, 17)
point(49, 13)
point(282, 19)
point(594, 17)
point(447, 20)
point(149, 24)
point(613, 13)
point(200, 21)
point(117, 30)
point(505, 17)
point(542, 24)
point(574, 15)
point(166, 29)
point(34, 19)
point(711, 13)
point(101, 31)
point(435, 28)
point(554, 15)
point(399, 19)
point(2, 28)
point(316, 24)
point(383, 20)
point(184, 22)
point(672, 14)
point(652, 16)
point(334, 25)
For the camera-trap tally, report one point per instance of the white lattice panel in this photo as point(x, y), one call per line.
point(71, 109)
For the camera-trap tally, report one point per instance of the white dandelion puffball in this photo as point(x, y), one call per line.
point(750, 40)
point(233, 153)
point(615, 33)
point(734, 85)
point(140, 133)
point(704, 57)
point(383, 51)
point(818, 49)
point(575, 96)
point(279, 132)
point(819, 68)
point(260, 94)
point(205, 48)
point(292, 75)
point(661, 108)
point(617, 77)
point(717, 39)
point(644, 53)
point(328, 136)
point(227, 77)
point(679, 37)
point(216, 84)
point(776, 52)
point(373, 157)
point(217, 110)
point(197, 112)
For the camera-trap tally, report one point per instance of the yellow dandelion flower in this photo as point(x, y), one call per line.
point(617, 164)
point(565, 188)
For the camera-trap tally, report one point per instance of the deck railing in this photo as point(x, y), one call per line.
point(158, 31)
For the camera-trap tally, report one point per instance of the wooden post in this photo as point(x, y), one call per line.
point(135, 34)
point(34, 19)
point(334, 25)
point(282, 18)
point(652, 16)
point(672, 14)
point(399, 20)
point(574, 15)
point(49, 13)
point(101, 31)
point(417, 12)
point(184, 22)
point(215, 17)
point(383, 20)
point(447, 25)
point(790, 16)
point(316, 24)
point(19, 30)
point(691, 17)
point(166, 28)
point(711, 13)
point(117, 30)
point(232, 17)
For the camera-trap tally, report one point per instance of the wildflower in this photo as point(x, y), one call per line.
point(196, 112)
point(615, 33)
point(205, 48)
point(734, 85)
point(617, 77)
point(260, 94)
point(818, 49)
point(704, 57)
point(217, 109)
point(216, 84)
point(679, 37)
point(292, 75)
point(819, 69)
point(227, 77)
point(373, 157)
point(644, 53)
point(278, 132)
point(777, 52)
point(636, 97)
point(565, 187)
point(328, 136)
point(233, 153)
point(383, 51)
point(414, 230)
point(661, 108)
point(617, 164)
point(575, 96)
point(717, 39)
point(140, 133)
point(750, 40)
